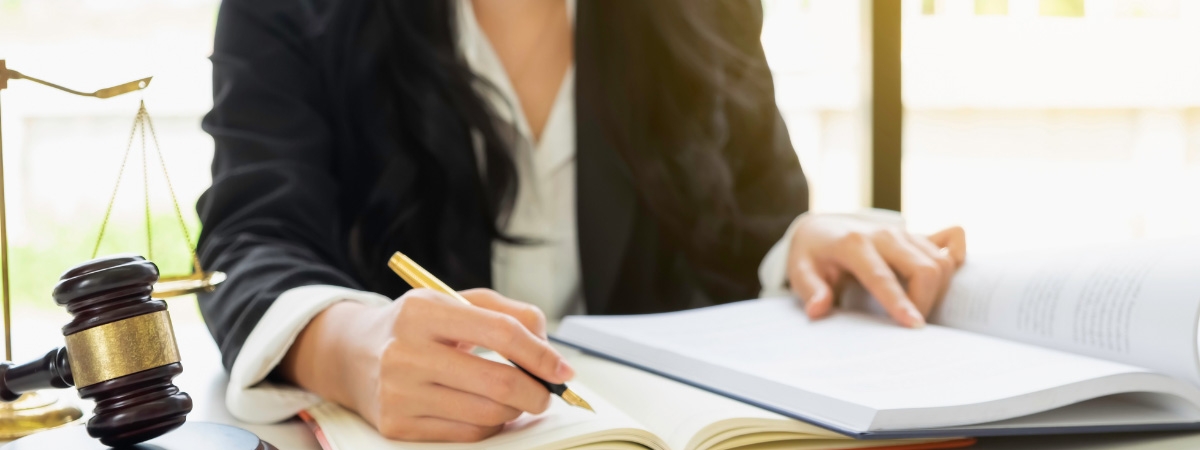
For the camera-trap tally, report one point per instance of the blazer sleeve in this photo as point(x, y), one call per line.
point(270, 218)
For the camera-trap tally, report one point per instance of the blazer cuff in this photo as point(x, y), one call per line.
point(772, 272)
point(249, 396)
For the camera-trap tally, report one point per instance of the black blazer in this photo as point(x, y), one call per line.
point(292, 129)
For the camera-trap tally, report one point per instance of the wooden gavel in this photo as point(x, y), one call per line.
point(120, 352)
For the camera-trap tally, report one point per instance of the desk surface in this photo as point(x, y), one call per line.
point(205, 380)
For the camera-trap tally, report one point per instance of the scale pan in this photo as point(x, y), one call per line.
point(175, 286)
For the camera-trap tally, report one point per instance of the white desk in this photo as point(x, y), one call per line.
point(204, 379)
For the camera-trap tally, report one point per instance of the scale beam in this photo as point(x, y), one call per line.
point(108, 92)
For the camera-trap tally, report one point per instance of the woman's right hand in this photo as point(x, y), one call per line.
point(408, 368)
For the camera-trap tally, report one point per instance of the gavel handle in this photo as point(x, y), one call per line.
point(51, 371)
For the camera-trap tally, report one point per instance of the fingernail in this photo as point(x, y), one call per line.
point(916, 320)
point(564, 371)
point(812, 310)
point(815, 299)
point(822, 293)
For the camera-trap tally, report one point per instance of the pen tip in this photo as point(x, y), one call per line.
point(575, 400)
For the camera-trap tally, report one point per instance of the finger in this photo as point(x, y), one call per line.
point(858, 255)
point(808, 286)
point(496, 381)
point(415, 307)
point(924, 275)
point(940, 256)
point(447, 320)
point(439, 401)
point(433, 429)
point(527, 314)
point(954, 240)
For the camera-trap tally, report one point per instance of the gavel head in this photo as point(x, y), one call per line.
point(121, 349)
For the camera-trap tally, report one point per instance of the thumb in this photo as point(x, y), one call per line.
point(810, 288)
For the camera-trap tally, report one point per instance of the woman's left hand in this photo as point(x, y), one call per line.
point(827, 248)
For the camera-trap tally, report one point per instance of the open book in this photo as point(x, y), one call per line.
point(634, 410)
point(1092, 340)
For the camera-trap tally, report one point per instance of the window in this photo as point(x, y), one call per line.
point(816, 54)
point(1052, 122)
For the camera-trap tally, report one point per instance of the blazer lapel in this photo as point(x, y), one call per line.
point(605, 196)
point(605, 202)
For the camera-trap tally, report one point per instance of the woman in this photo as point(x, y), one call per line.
point(602, 157)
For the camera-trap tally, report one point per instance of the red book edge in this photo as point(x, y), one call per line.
point(320, 434)
point(956, 443)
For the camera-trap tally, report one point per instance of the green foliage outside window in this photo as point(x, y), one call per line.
point(34, 267)
point(991, 7)
point(929, 7)
point(1061, 8)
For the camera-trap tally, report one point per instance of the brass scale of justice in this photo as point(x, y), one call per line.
point(107, 297)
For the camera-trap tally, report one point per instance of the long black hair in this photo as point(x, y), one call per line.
point(433, 104)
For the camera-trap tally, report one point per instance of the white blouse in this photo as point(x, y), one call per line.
point(545, 275)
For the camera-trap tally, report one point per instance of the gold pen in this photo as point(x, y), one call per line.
point(417, 277)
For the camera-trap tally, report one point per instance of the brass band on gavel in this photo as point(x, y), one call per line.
point(120, 348)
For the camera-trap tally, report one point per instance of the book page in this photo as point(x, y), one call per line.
point(1135, 303)
point(560, 427)
point(848, 370)
point(689, 418)
point(674, 411)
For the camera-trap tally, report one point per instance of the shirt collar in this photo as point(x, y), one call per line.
point(477, 50)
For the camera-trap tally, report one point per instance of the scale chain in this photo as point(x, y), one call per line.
point(146, 184)
point(171, 189)
point(120, 174)
point(141, 123)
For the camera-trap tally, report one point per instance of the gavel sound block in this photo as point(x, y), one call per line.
point(120, 352)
